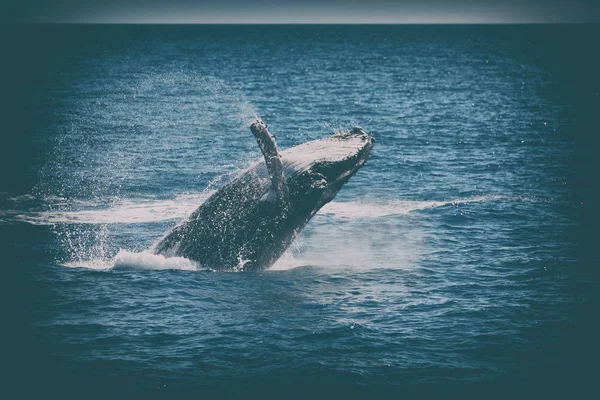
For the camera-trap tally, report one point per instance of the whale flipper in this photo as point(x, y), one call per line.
point(267, 144)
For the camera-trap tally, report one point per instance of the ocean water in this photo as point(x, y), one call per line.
point(458, 261)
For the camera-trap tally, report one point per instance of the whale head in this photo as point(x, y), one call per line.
point(319, 169)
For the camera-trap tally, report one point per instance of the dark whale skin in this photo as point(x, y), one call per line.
point(245, 227)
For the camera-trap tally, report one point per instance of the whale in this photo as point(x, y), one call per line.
point(250, 222)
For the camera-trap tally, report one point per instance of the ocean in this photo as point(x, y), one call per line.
point(460, 260)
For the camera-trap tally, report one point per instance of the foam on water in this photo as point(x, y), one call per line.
point(361, 209)
point(122, 211)
point(145, 260)
point(358, 244)
point(84, 229)
point(133, 211)
point(137, 260)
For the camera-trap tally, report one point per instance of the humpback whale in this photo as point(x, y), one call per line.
point(249, 223)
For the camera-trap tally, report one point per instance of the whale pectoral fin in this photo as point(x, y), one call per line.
point(268, 147)
point(270, 196)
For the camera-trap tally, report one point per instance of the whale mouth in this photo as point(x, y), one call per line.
point(363, 149)
point(338, 173)
point(334, 157)
point(361, 141)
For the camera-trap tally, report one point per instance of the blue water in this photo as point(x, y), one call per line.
point(459, 260)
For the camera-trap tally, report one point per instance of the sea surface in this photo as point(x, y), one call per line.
point(459, 260)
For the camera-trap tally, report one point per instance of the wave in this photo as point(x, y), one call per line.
point(136, 260)
point(143, 210)
point(85, 233)
point(122, 211)
point(361, 209)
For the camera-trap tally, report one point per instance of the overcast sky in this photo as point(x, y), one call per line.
point(307, 11)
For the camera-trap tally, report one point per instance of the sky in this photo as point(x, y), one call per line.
point(307, 11)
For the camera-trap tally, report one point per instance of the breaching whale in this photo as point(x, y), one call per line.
point(249, 223)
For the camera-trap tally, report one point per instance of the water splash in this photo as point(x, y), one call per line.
point(136, 260)
point(98, 158)
point(361, 238)
point(148, 210)
point(122, 211)
point(208, 97)
point(358, 243)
